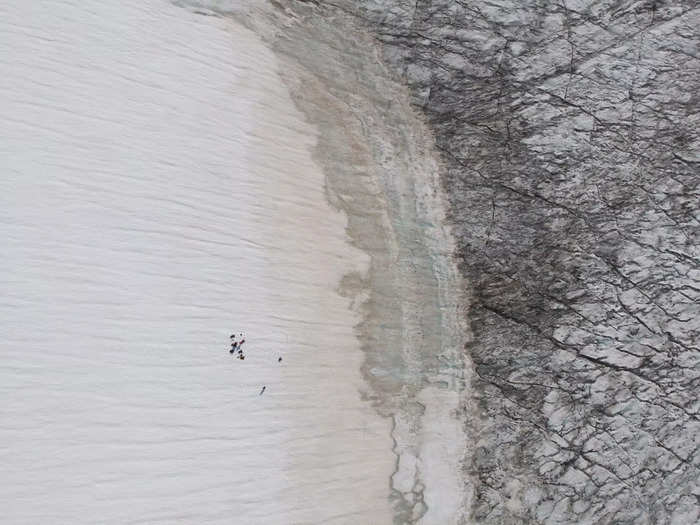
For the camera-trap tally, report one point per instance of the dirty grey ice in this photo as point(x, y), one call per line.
point(569, 136)
point(471, 228)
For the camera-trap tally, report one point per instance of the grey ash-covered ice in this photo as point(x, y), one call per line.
point(569, 132)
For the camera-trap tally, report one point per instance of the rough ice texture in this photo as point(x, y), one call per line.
point(570, 134)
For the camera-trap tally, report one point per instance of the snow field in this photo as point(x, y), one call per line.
point(158, 191)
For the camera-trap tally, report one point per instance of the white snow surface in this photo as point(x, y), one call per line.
point(157, 193)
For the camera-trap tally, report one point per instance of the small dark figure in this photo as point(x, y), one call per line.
point(241, 357)
point(232, 336)
point(263, 390)
point(279, 359)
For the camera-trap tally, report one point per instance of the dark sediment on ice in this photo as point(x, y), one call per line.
point(570, 135)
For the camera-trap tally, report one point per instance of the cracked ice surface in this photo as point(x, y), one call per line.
point(157, 192)
point(570, 135)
